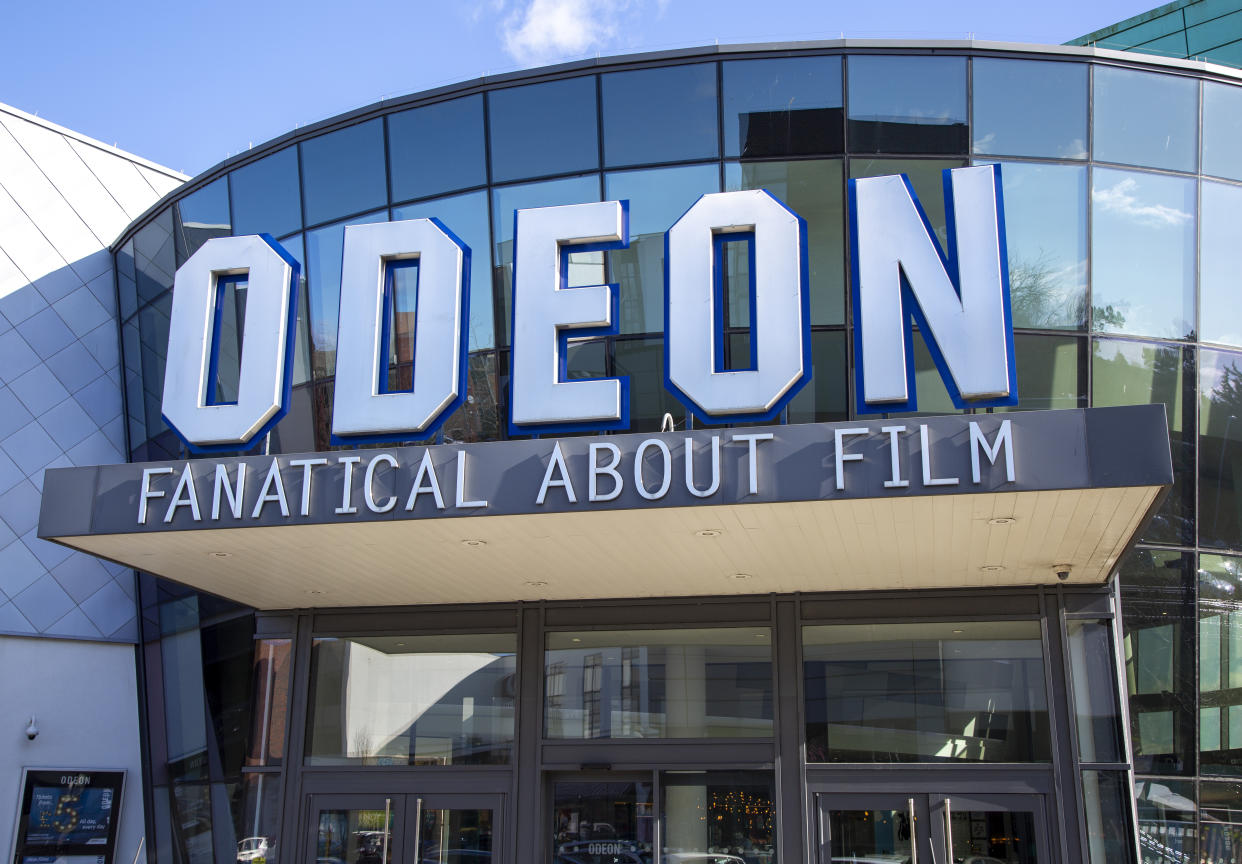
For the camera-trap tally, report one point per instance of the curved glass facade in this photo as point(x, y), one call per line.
point(1122, 186)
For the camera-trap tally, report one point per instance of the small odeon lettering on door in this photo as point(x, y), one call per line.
point(959, 297)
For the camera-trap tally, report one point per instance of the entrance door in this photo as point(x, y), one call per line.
point(932, 828)
point(404, 829)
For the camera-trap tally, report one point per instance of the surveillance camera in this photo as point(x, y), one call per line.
point(1063, 575)
point(32, 731)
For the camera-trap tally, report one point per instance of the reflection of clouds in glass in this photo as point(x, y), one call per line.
point(1121, 198)
point(1076, 149)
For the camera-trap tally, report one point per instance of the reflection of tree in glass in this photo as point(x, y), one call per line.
point(1038, 297)
point(1108, 317)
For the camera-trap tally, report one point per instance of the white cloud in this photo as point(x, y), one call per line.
point(1122, 200)
point(542, 31)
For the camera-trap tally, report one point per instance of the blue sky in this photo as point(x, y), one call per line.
point(188, 84)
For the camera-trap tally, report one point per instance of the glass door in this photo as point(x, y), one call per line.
point(888, 828)
point(404, 829)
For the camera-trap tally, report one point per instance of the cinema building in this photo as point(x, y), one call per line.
point(943, 631)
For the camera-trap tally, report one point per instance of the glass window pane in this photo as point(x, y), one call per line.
point(325, 249)
point(154, 258)
point(928, 692)
point(1030, 108)
point(1220, 665)
point(343, 172)
point(987, 836)
point(1051, 372)
point(296, 247)
point(826, 397)
point(603, 822)
point(907, 104)
point(927, 178)
point(784, 107)
point(643, 361)
point(1220, 238)
point(1222, 129)
point(127, 285)
point(1046, 237)
point(200, 216)
point(543, 129)
point(354, 836)
point(1220, 448)
point(933, 395)
point(1158, 602)
point(1221, 826)
point(660, 115)
point(814, 190)
point(658, 197)
point(506, 201)
point(718, 817)
point(1166, 817)
point(877, 834)
point(466, 216)
point(256, 816)
point(1137, 373)
point(1091, 662)
point(454, 837)
point(271, 701)
point(704, 683)
point(266, 196)
point(1110, 832)
point(437, 149)
point(412, 700)
point(481, 418)
point(1143, 254)
point(1145, 118)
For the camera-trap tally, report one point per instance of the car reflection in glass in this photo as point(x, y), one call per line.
point(254, 850)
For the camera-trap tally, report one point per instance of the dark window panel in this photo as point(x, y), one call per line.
point(155, 258)
point(783, 107)
point(482, 418)
point(1138, 373)
point(1051, 372)
point(1146, 118)
point(1220, 666)
point(658, 198)
point(704, 811)
point(1029, 108)
point(325, 248)
point(825, 397)
point(881, 693)
point(126, 277)
point(1046, 238)
point(437, 149)
point(815, 190)
point(1220, 833)
point(542, 129)
point(1110, 829)
point(200, 216)
point(466, 216)
point(691, 683)
point(907, 104)
point(1143, 254)
point(1158, 614)
point(296, 247)
point(660, 115)
point(1166, 818)
point(266, 195)
point(643, 361)
point(343, 172)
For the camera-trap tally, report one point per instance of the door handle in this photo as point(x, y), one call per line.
point(418, 829)
point(948, 833)
point(914, 837)
point(387, 829)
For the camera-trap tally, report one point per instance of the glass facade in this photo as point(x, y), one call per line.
point(1122, 185)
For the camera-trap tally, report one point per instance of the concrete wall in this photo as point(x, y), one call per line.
point(84, 698)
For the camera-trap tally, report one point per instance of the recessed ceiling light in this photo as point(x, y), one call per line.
point(708, 532)
point(958, 631)
point(740, 576)
point(315, 591)
point(474, 542)
point(1002, 520)
point(992, 568)
point(535, 583)
point(220, 554)
point(575, 639)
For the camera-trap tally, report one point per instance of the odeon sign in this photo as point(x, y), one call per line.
point(960, 301)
